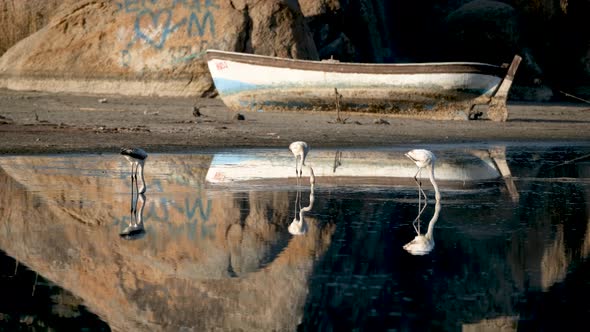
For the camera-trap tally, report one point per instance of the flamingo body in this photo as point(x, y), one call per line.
point(421, 157)
point(299, 150)
point(422, 244)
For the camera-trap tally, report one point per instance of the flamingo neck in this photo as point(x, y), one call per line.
point(311, 195)
point(430, 233)
point(433, 181)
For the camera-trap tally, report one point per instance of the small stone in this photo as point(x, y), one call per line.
point(196, 111)
point(239, 116)
point(102, 100)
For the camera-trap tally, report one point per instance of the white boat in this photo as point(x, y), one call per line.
point(444, 90)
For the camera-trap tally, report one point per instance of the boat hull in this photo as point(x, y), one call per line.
point(435, 90)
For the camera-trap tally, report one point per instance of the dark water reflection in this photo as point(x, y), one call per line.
point(510, 252)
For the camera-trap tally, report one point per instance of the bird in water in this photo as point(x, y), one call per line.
point(299, 150)
point(423, 244)
point(424, 159)
point(298, 226)
point(136, 158)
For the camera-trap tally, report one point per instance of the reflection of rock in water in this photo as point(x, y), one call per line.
point(503, 323)
point(260, 235)
point(30, 302)
point(177, 276)
point(554, 263)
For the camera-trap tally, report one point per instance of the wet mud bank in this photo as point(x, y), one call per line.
point(39, 122)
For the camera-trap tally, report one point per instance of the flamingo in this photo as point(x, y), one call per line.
point(136, 158)
point(424, 159)
point(299, 150)
point(423, 244)
point(299, 227)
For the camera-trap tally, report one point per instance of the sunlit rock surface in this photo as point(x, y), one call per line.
point(21, 18)
point(149, 47)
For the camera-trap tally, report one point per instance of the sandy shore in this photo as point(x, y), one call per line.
point(38, 122)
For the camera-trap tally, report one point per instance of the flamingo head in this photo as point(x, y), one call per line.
point(421, 157)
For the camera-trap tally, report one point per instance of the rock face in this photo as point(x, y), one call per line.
point(20, 18)
point(149, 47)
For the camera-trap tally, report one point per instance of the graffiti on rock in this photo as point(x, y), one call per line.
point(167, 32)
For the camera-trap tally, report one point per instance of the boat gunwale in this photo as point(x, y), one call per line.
point(360, 68)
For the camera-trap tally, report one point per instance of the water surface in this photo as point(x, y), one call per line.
point(511, 242)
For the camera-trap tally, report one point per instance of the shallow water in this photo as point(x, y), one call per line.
point(212, 246)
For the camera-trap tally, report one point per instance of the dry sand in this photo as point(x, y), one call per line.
point(38, 122)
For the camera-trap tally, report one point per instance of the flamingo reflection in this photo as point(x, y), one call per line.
point(135, 229)
point(422, 244)
point(299, 226)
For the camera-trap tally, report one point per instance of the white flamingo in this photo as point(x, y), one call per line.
point(423, 244)
point(299, 150)
point(136, 158)
point(424, 159)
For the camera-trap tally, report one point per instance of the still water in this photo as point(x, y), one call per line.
point(233, 241)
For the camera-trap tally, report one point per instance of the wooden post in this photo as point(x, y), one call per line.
point(338, 100)
point(497, 109)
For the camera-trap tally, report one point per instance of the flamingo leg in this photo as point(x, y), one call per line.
point(417, 221)
point(299, 197)
point(421, 192)
point(134, 200)
point(135, 175)
point(132, 180)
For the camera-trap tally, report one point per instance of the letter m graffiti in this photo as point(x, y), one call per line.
point(196, 26)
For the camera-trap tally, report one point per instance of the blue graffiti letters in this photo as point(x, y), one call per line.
point(201, 24)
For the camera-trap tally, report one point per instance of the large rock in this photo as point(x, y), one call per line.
point(351, 31)
point(483, 30)
point(20, 18)
point(139, 47)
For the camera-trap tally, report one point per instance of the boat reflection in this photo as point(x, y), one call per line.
point(462, 169)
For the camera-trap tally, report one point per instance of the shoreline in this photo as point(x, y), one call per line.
point(33, 122)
